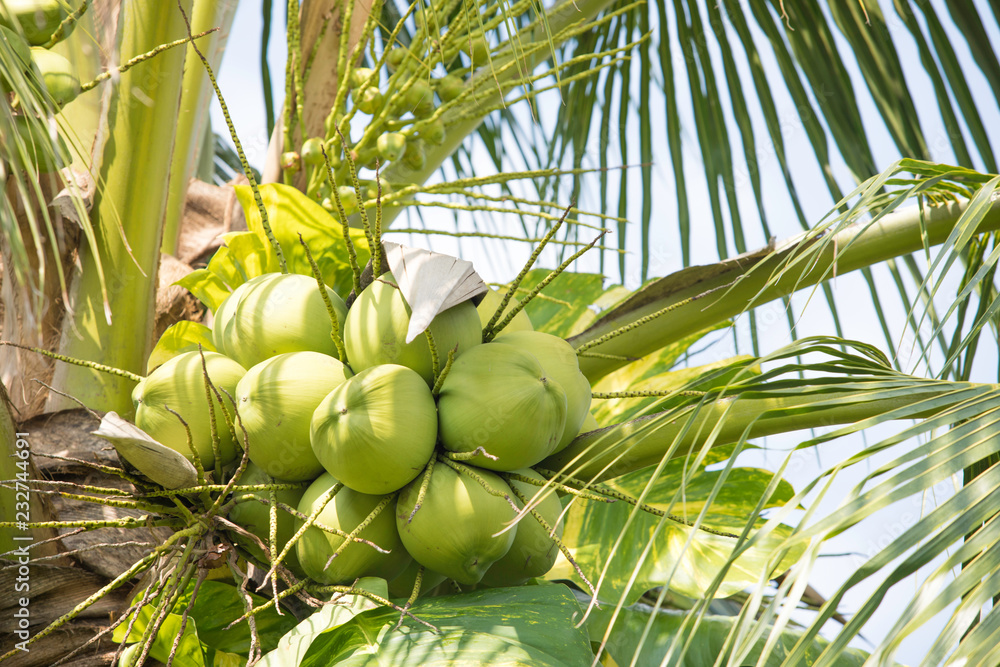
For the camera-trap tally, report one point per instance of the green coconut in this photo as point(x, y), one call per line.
point(276, 400)
point(455, 530)
point(375, 331)
point(274, 314)
point(58, 75)
point(179, 384)
point(499, 397)
point(402, 586)
point(255, 517)
point(346, 511)
point(533, 552)
point(559, 360)
point(39, 19)
point(488, 306)
point(376, 431)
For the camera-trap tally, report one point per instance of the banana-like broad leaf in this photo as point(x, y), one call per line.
point(644, 638)
point(184, 336)
point(650, 550)
point(532, 625)
point(290, 213)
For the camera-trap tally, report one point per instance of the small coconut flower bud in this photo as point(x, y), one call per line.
point(312, 151)
point(291, 161)
point(450, 87)
point(391, 146)
point(359, 76)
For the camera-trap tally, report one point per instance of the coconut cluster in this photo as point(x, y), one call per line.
point(417, 453)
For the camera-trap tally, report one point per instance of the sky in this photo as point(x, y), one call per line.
point(240, 82)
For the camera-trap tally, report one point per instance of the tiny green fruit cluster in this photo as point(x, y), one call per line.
point(415, 453)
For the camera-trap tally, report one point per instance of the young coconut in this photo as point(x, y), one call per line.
point(533, 552)
point(255, 516)
point(276, 400)
point(179, 384)
point(376, 431)
point(39, 19)
point(498, 397)
point(58, 76)
point(375, 331)
point(454, 531)
point(488, 306)
point(274, 314)
point(346, 511)
point(559, 360)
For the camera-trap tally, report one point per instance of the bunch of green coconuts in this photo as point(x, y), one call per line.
point(442, 448)
point(29, 28)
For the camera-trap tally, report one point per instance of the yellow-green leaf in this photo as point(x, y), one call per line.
point(206, 286)
point(182, 337)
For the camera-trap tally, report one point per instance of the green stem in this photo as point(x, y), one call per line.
point(142, 119)
point(702, 296)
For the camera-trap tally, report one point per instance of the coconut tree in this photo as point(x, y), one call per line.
point(676, 570)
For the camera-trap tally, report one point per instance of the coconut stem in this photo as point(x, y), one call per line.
point(601, 355)
point(435, 359)
point(196, 457)
point(310, 520)
point(77, 362)
point(649, 318)
point(470, 473)
point(353, 171)
point(352, 254)
point(444, 372)
point(334, 323)
point(414, 593)
point(551, 531)
point(519, 306)
point(377, 232)
point(645, 394)
point(583, 495)
point(209, 388)
point(488, 329)
point(272, 535)
point(353, 535)
point(132, 62)
point(247, 171)
point(618, 495)
point(466, 456)
point(424, 484)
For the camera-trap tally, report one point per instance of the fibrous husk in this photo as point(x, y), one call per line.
point(559, 360)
